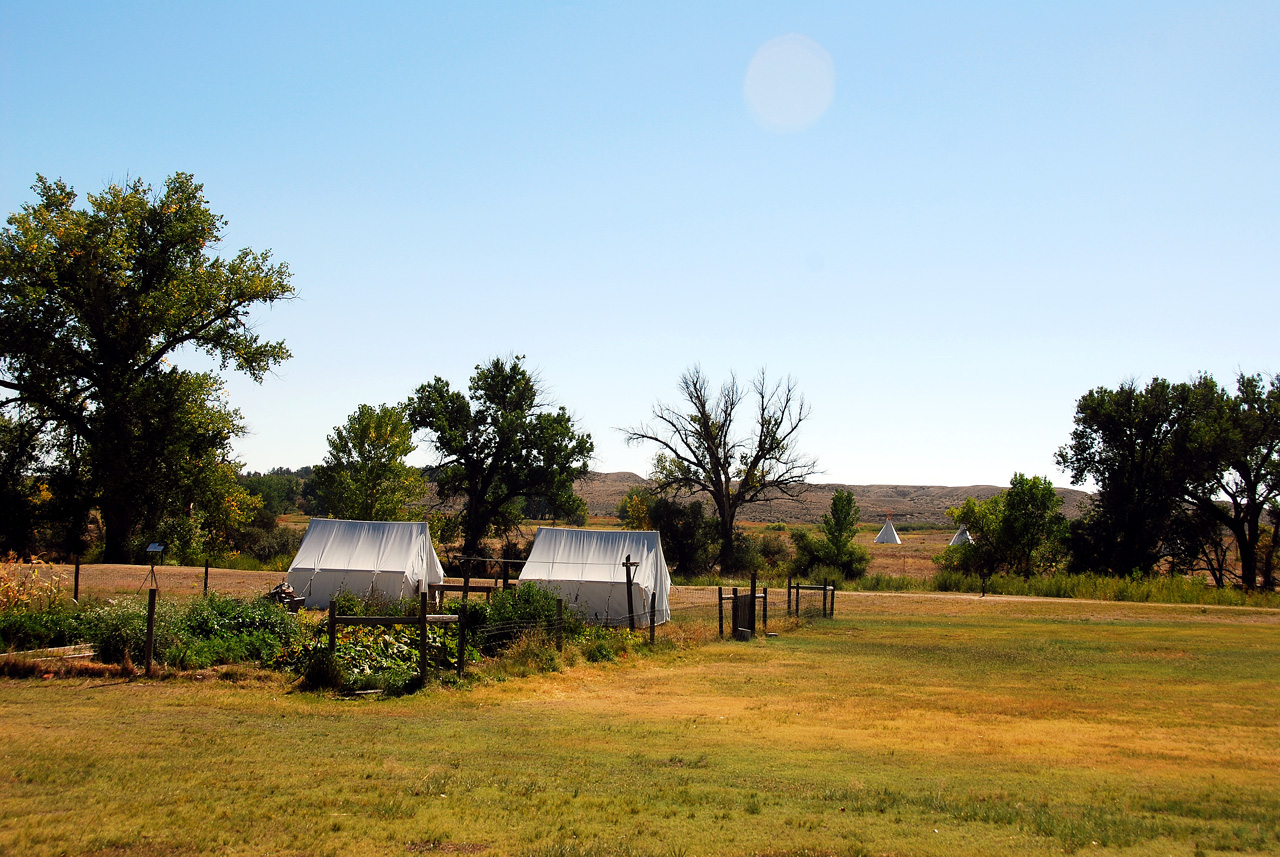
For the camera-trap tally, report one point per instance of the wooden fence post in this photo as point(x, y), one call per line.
point(653, 614)
point(720, 604)
point(75, 595)
point(422, 636)
point(559, 624)
point(506, 576)
point(789, 595)
point(466, 578)
point(765, 610)
point(206, 575)
point(752, 625)
point(462, 639)
point(333, 625)
point(151, 627)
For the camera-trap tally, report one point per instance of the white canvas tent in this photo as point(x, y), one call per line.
point(392, 558)
point(961, 537)
point(888, 535)
point(585, 568)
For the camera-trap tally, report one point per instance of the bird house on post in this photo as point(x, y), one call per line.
point(155, 552)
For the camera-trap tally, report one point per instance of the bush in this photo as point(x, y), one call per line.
point(745, 557)
point(200, 633)
point(689, 538)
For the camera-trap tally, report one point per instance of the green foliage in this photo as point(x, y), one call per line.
point(1160, 589)
point(835, 549)
point(364, 477)
point(633, 510)
point(745, 558)
point(1021, 531)
point(445, 529)
point(1179, 468)
point(500, 445)
point(189, 635)
point(775, 550)
point(280, 490)
point(95, 303)
point(690, 539)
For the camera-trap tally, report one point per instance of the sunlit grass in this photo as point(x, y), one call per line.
point(912, 724)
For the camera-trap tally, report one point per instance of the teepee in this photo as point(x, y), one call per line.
point(888, 535)
point(961, 537)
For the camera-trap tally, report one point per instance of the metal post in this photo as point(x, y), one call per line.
point(75, 593)
point(765, 610)
point(422, 636)
point(333, 626)
point(151, 627)
point(631, 610)
point(653, 615)
point(720, 604)
point(833, 599)
point(559, 624)
point(824, 598)
point(206, 575)
point(789, 595)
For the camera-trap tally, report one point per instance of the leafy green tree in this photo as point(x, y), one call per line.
point(689, 538)
point(364, 476)
point(95, 305)
point(1239, 436)
point(279, 490)
point(20, 490)
point(1155, 452)
point(1140, 449)
point(499, 444)
point(835, 548)
point(707, 447)
point(1021, 530)
point(633, 509)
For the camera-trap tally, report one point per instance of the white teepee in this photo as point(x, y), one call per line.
point(888, 535)
point(961, 537)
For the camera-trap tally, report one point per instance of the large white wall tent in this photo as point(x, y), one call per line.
point(585, 567)
point(392, 558)
point(888, 535)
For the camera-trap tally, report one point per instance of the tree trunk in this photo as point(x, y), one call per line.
point(726, 544)
point(1248, 549)
point(118, 521)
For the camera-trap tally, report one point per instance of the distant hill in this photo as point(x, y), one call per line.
point(923, 504)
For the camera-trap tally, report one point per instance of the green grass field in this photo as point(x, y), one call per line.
point(911, 724)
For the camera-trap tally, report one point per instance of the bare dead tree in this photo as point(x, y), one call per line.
point(705, 448)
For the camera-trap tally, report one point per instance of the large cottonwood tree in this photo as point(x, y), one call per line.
point(96, 304)
point(738, 446)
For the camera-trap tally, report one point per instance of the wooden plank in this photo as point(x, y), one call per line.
point(387, 621)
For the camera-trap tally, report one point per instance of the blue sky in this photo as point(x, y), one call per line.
point(1003, 206)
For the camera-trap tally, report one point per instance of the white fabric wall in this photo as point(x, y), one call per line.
point(585, 568)
point(392, 558)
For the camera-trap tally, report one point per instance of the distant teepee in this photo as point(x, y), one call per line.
point(888, 535)
point(961, 537)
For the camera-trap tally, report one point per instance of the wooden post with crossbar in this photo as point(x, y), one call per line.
point(631, 610)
